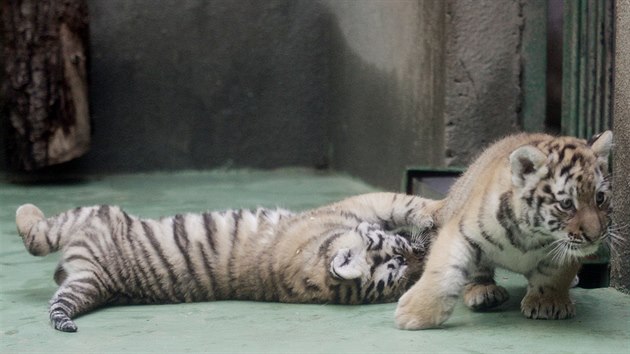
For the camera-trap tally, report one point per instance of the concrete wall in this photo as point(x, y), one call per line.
point(204, 84)
point(369, 87)
point(424, 83)
point(388, 88)
point(620, 262)
point(483, 75)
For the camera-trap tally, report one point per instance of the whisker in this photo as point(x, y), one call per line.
point(613, 240)
point(558, 251)
point(619, 227)
point(420, 239)
point(612, 249)
point(614, 235)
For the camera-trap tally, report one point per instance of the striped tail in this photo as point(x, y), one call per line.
point(33, 228)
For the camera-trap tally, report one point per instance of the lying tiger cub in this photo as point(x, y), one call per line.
point(344, 253)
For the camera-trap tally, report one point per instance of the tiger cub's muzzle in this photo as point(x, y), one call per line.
point(586, 227)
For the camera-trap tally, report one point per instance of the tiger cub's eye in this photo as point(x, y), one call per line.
point(566, 204)
point(600, 197)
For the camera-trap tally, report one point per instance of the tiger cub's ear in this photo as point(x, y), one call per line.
point(601, 144)
point(526, 163)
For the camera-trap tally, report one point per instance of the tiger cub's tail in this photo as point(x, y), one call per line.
point(33, 228)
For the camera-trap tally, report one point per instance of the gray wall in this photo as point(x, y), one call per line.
point(424, 83)
point(483, 74)
point(369, 87)
point(388, 88)
point(203, 84)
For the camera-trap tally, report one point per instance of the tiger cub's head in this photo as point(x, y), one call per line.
point(564, 189)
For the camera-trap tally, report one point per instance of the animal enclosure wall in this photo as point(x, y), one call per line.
point(366, 87)
point(620, 261)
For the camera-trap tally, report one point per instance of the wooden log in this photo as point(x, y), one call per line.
point(45, 87)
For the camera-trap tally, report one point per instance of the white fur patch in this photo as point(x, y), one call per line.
point(349, 265)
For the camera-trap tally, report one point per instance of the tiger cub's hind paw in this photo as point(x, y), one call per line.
point(481, 297)
point(61, 322)
point(67, 326)
point(26, 216)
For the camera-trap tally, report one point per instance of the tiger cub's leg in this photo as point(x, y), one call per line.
point(79, 293)
point(482, 293)
point(84, 283)
point(547, 294)
point(393, 210)
point(430, 301)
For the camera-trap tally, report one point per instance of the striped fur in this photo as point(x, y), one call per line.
point(531, 203)
point(344, 253)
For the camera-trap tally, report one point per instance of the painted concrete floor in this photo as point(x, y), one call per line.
point(602, 324)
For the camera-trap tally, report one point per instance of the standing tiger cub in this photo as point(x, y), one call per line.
point(345, 253)
point(531, 203)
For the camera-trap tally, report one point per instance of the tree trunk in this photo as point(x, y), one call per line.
point(45, 87)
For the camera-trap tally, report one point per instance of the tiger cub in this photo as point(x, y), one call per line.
point(344, 253)
point(531, 203)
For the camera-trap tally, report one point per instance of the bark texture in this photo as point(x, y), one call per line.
point(45, 99)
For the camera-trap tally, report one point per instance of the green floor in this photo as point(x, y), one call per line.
point(601, 326)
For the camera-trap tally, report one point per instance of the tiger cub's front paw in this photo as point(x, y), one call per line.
point(348, 264)
point(420, 312)
point(484, 296)
point(547, 307)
